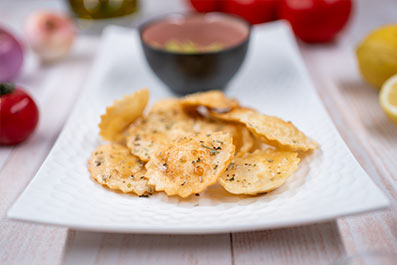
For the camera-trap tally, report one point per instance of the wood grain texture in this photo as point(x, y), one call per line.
point(375, 146)
point(314, 244)
point(105, 248)
point(23, 243)
point(354, 107)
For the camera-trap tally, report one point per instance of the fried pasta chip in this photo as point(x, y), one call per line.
point(193, 142)
point(208, 125)
point(246, 141)
point(165, 122)
point(121, 114)
point(270, 129)
point(190, 164)
point(112, 165)
point(242, 137)
point(211, 99)
point(259, 172)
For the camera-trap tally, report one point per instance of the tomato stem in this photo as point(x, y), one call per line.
point(6, 88)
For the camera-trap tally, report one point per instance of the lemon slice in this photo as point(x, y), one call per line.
point(388, 98)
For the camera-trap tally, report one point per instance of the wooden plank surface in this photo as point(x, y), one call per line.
point(314, 244)
point(351, 103)
point(374, 145)
point(24, 243)
point(107, 248)
point(355, 109)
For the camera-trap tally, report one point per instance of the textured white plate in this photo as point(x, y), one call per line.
point(329, 184)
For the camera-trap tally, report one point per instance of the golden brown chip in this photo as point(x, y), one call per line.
point(212, 99)
point(242, 137)
point(259, 172)
point(204, 124)
point(190, 164)
point(121, 114)
point(168, 105)
point(246, 141)
point(270, 129)
point(112, 165)
point(165, 122)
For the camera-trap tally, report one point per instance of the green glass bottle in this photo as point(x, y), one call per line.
point(102, 9)
point(93, 15)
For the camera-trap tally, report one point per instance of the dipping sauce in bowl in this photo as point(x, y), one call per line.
point(196, 33)
point(195, 52)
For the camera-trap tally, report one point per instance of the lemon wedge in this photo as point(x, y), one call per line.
point(388, 98)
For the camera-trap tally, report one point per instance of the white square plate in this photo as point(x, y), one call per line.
point(329, 184)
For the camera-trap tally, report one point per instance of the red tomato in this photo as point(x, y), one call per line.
point(316, 20)
point(254, 11)
point(18, 114)
point(205, 5)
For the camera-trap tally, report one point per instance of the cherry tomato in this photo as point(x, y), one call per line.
point(18, 114)
point(254, 11)
point(205, 5)
point(316, 20)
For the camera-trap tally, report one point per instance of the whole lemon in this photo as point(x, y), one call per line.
point(377, 55)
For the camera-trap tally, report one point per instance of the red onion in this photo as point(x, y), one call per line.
point(11, 56)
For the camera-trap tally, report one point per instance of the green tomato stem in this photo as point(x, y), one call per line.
point(6, 88)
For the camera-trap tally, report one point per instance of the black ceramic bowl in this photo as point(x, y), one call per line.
point(199, 70)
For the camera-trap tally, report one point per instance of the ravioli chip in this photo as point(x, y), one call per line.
point(242, 137)
point(259, 172)
point(271, 130)
point(246, 142)
point(121, 114)
point(165, 122)
point(212, 100)
point(208, 125)
point(190, 164)
point(112, 165)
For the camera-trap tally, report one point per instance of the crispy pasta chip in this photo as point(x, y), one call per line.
point(270, 129)
point(208, 125)
point(212, 100)
point(112, 165)
point(190, 164)
point(243, 140)
point(165, 122)
point(259, 172)
point(246, 142)
point(188, 144)
point(121, 114)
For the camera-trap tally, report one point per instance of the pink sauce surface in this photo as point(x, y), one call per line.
point(200, 29)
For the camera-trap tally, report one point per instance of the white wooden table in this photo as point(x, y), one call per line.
point(352, 104)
